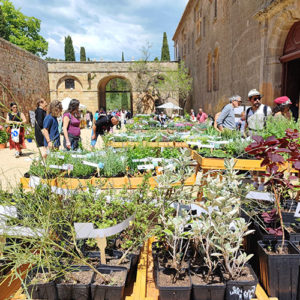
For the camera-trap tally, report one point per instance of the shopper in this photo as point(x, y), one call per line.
point(16, 121)
point(50, 126)
point(71, 126)
point(102, 125)
point(40, 114)
point(257, 113)
point(201, 116)
point(226, 119)
point(282, 107)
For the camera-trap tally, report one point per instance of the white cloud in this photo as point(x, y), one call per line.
point(104, 28)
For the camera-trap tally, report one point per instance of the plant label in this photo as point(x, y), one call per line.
point(66, 167)
point(146, 167)
point(297, 212)
point(78, 156)
point(102, 243)
point(260, 196)
point(91, 164)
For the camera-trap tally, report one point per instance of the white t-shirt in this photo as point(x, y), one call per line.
point(256, 119)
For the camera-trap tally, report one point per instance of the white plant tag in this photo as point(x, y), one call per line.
point(297, 212)
point(91, 164)
point(146, 167)
point(78, 155)
point(260, 196)
point(67, 167)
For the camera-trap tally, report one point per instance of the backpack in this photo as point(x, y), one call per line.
point(265, 109)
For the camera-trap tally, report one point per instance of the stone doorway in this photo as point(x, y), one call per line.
point(115, 93)
point(291, 68)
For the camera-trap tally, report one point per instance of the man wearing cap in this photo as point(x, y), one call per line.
point(226, 119)
point(282, 107)
point(257, 114)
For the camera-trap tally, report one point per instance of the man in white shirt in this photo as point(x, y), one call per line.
point(257, 114)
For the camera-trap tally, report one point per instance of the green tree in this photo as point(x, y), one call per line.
point(69, 49)
point(82, 54)
point(156, 59)
point(165, 53)
point(3, 26)
point(176, 84)
point(22, 30)
point(123, 56)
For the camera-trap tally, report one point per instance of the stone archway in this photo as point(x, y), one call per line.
point(105, 92)
point(291, 68)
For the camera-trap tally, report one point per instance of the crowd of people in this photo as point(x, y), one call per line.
point(253, 118)
point(49, 127)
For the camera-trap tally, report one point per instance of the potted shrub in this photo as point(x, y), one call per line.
point(29, 134)
point(279, 260)
point(224, 194)
point(3, 137)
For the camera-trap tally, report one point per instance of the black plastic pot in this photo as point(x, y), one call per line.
point(294, 237)
point(241, 290)
point(288, 217)
point(173, 292)
point(207, 291)
point(103, 292)
point(262, 235)
point(43, 291)
point(279, 273)
point(67, 291)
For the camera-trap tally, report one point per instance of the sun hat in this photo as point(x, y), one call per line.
point(253, 92)
point(284, 100)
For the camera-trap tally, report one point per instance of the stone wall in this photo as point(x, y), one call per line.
point(236, 43)
point(90, 79)
point(25, 75)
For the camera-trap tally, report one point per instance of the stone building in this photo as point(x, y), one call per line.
point(23, 78)
point(232, 46)
point(87, 81)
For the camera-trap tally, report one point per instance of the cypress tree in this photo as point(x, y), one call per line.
point(123, 56)
point(69, 49)
point(4, 33)
point(165, 53)
point(82, 54)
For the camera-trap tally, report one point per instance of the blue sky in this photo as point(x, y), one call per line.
point(106, 28)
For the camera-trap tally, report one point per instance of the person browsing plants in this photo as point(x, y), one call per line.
point(40, 114)
point(103, 123)
point(71, 126)
point(282, 108)
point(16, 119)
point(226, 119)
point(50, 126)
point(257, 114)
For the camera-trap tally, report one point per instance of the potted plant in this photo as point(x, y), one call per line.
point(224, 194)
point(3, 137)
point(279, 260)
point(29, 134)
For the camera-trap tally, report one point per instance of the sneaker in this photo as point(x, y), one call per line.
point(17, 154)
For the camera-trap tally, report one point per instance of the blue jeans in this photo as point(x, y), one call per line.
point(93, 142)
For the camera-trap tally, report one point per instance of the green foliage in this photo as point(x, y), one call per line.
point(4, 30)
point(123, 56)
point(82, 54)
point(23, 31)
point(3, 137)
point(156, 59)
point(53, 59)
point(276, 126)
point(69, 49)
point(165, 53)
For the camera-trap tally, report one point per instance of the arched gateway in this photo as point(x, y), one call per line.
point(291, 68)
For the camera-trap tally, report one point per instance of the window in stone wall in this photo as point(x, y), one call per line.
point(209, 73)
point(216, 9)
point(69, 83)
point(216, 70)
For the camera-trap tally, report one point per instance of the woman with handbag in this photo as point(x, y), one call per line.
point(71, 126)
point(16, 119)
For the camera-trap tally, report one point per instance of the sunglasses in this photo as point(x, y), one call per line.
point(257, 98)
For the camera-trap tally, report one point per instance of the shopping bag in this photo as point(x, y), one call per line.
point(15, 134)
